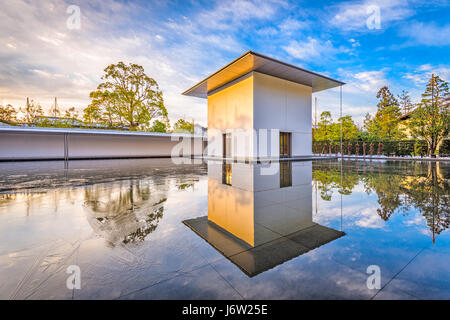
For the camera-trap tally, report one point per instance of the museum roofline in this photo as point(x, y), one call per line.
point(255, 62)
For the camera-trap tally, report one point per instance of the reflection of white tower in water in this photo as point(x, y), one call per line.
point(259, 221)
point(256, 203)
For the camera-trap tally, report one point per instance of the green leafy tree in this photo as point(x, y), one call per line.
point(71, 113)
point(159, 126)
point(399, 186)
point(323, 132)
point(369, 124)
point(328, 178)
point(327, 130)
point(91, 114)
point(431, 119)
point(127, 96)
point(389, 192)
point(183, 126)
point(105, 109)
point(385, 124)
point(428, 192)
point(349, 129)
point(404, 101)
point(8, 113)
point(32, 111)
point(364, 135)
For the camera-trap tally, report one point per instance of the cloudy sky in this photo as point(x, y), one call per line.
point(43, 54)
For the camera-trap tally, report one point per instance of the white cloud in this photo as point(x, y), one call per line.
point(359, 94)
point(426, 34)
point(311, 49)
point(233, 14)
point(42, 59)
point(355, 43)
point(352, 16)
point(50, 60)
point(360, 209)
point(285, 28)
point(423, 73)
point(368, 81)
point(46, 74)
point(267, 31)
point(368, 218)
point(290, 25)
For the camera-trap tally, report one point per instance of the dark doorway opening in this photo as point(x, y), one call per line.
point(226, 140)
point(285, 174)
point(227, 174)
point(285, 144)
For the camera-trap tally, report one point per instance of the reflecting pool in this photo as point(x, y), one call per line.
point(151, 229)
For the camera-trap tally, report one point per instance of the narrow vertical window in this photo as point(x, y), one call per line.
point(285, 144)
point(285, 174)
point(226, 143)
point(227, 174)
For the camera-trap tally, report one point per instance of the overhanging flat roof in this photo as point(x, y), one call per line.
point(252, 61)
point(267, 255)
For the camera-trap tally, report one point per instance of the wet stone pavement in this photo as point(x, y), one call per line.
point(152, 229)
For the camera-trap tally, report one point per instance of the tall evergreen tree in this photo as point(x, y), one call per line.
point(8, 113)
point(323, 130)
point(349, 129)
point(431, 119)
point(31, 111)
point(385, 124)
point(405, 103)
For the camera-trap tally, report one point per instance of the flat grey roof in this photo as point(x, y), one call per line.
point(252, 61)
point(255, 261)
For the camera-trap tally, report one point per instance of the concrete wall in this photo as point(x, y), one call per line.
point(231, 110)
point(255, 103)
point(285, 106)
point(49, 144)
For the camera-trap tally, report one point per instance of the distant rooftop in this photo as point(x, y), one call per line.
point(252, 61)
point(37, 130)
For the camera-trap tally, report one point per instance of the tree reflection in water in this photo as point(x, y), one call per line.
point(127, 211)
point(399, 185)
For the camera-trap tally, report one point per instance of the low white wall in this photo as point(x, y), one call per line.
point(38, 144)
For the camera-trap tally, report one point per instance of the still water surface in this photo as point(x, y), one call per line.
point(150, 229)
